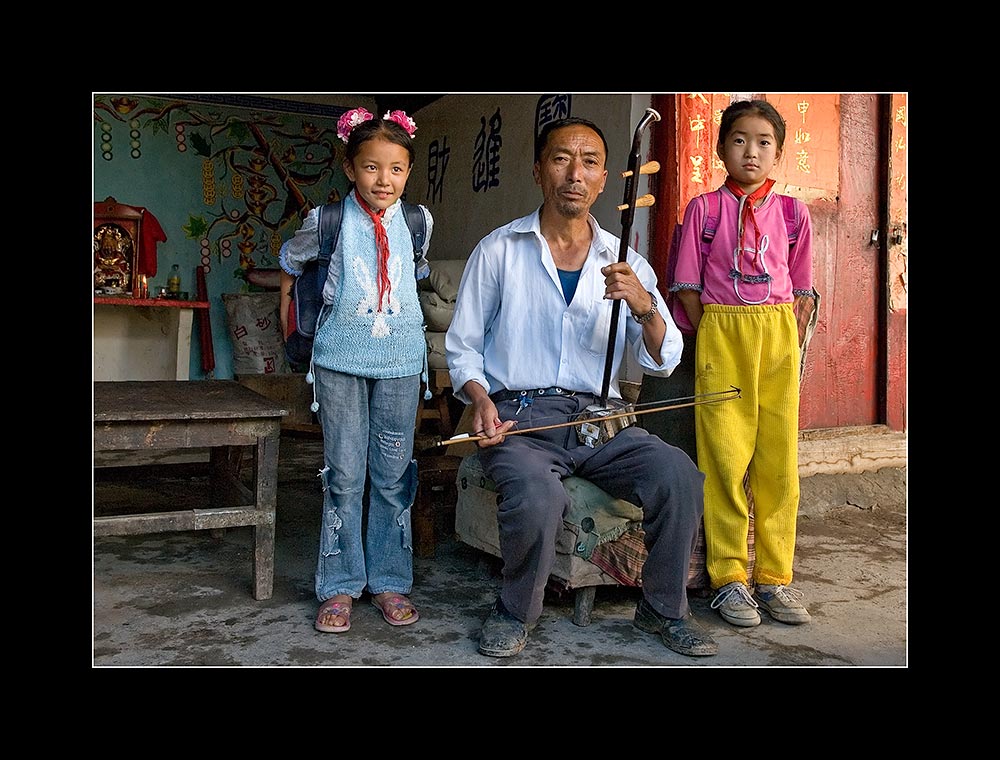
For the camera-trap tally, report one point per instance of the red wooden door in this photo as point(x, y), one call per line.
point(840, 387)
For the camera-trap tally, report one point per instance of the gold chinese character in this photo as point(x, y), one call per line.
point(698, 96)
point(696, 166)
point(801, 136)
point(900, 144)
point(717, 117)
point(802, 107)
point(901, 115)
point(802, 158)
point(697, 125)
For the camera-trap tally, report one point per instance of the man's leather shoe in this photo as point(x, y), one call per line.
point(502, 635)
point(682, 635)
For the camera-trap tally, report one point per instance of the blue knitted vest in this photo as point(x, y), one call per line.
point(359, 338)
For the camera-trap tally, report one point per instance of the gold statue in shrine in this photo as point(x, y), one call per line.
point(114, 258)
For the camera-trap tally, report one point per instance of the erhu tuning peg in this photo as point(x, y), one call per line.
point(650, 167)
point(646, 200)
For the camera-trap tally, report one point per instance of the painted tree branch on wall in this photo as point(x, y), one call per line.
point(256, 170)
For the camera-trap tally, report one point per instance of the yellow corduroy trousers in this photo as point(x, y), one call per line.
point(756, 349)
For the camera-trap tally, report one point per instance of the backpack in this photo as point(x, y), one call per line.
point(714, 200)
point(307, 293)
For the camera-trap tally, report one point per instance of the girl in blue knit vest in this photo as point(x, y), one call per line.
point(368, 356)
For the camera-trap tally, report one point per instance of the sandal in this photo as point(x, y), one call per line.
point(395, 602)
point(337, 609)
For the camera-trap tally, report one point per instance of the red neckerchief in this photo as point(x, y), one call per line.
point(746, 212)
point(382, 244)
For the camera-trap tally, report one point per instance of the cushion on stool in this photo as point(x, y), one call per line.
point(594, 518)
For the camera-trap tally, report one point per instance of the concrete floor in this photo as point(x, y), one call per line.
point(184, 599)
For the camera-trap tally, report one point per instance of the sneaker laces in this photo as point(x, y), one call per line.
point(742, 593)
point(788, 595)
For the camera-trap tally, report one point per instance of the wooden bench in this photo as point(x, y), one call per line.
point(220, 415)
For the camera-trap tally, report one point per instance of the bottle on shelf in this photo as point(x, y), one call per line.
point(174, 282)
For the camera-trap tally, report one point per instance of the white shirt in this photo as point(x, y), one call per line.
point(512, 328)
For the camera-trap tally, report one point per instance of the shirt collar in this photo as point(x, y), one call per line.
point(602, 242)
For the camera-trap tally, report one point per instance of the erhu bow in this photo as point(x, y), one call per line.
point(630, 412)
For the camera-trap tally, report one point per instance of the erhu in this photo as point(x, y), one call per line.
point(628, 207)
point(599, 421)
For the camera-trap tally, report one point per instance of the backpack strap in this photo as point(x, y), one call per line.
point(790, 209)
point(713, 203)
point(328, 228)
point(418, 227)
point(417, 223)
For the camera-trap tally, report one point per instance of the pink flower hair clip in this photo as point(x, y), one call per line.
point(349, 120)
point(402, 120)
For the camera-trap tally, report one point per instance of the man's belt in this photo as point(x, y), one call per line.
point(506, 395)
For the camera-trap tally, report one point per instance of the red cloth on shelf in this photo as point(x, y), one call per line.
point(151, 234)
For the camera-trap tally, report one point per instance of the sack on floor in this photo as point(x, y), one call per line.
point(255, 332)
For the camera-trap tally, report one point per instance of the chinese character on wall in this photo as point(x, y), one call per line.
point(551, 108)
point(486, 154)
point(438, 153)
point(809, 166)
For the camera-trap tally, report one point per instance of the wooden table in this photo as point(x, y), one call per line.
point(220, 415)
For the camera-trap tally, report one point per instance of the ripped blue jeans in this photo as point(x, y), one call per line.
point(366, 422)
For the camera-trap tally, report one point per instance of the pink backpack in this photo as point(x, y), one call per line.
point(714, 200)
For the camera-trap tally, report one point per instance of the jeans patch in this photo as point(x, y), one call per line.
point(406, 525)
point(391, 444)
point(331, 539)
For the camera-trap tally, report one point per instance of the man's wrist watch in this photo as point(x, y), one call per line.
point(644, 318)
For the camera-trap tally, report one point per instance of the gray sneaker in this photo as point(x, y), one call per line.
point(782, 603)
point(737, 607)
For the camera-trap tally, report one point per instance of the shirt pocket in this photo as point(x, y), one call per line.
point(597, 324)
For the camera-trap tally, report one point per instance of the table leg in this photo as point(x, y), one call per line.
point(266, 477)
point(185, 317)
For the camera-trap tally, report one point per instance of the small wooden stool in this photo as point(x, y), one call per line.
point(437, 407)
point(436, 483)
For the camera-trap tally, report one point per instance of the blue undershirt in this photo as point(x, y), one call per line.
point(569, 281)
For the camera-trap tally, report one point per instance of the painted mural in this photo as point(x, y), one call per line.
point(256, 170)
point(229, 178)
